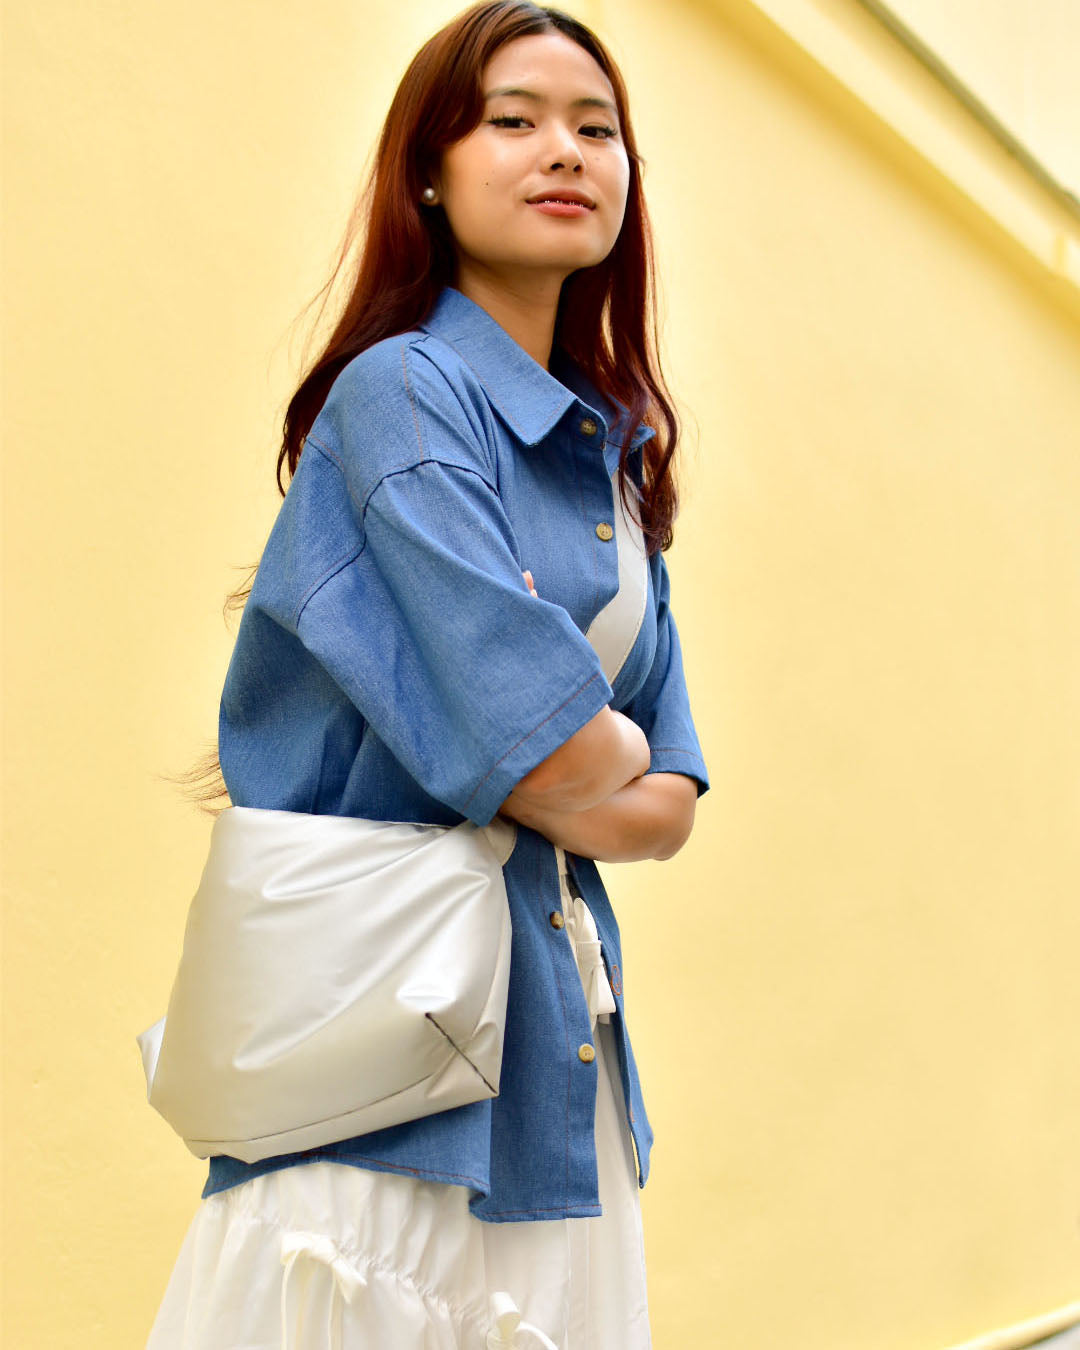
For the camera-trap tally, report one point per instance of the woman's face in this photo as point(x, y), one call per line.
point(527, 146)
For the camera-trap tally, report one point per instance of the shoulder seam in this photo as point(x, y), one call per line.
point(327, 453)
point(445, 379)
point(317, 585)
point(355, 553)
point(431, 459)
point(412, 402)
point(403, 467)
point(412, 342)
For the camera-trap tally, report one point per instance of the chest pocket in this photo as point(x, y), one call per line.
point(614, 630)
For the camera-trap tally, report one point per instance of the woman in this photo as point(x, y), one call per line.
point(470, 539)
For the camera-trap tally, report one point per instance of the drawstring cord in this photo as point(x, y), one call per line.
point(507, 1325)
point(590, 961)
point(586, 945)
point(508, 1328)
point(347, 1278)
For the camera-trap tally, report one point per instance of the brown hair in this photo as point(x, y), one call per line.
point(606, 320)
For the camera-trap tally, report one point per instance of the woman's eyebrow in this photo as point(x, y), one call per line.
point(586, 101)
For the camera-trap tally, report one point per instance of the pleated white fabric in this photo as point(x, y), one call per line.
point(326, 1256)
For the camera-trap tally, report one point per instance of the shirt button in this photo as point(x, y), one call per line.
point(586, 1053)
point(587, 426)
point(556, 919)
point(604, 530)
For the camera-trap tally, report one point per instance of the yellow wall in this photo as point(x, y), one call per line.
point(853, 994)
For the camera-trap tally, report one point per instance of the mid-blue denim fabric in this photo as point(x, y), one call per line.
point(391, 663)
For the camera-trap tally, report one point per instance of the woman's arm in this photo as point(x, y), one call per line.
point(650, 817)
point(608, 752)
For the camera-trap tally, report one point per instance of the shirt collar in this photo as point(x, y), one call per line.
point(530, 399)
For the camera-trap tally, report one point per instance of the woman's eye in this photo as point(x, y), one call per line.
point(605, 131)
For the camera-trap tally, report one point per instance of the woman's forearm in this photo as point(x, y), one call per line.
point(650, 817)
point(608, 752)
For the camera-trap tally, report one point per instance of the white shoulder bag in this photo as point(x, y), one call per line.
point(339, 974)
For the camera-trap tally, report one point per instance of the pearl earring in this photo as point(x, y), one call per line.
point(428, 195)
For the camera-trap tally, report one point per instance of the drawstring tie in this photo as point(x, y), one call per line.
point(581, 927)
point(347, 1278)
point(507, 1327)
point(585, 941)
point(507, 1331)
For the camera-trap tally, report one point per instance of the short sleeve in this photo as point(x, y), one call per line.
point(661, 707)
point(430, 629)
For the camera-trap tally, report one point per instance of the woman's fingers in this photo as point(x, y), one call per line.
point(529, 582)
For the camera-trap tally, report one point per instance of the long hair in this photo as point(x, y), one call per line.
point(606, 320)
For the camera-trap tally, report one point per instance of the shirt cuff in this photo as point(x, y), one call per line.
point(669, 759)
point(532, 749)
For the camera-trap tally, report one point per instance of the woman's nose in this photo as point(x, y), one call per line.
point(563, 148)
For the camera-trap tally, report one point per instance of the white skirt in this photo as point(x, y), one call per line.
point(327, 1256)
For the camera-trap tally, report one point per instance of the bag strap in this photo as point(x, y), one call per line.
point(614, 630)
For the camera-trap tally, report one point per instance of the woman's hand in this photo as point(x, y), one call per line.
point(529, 582)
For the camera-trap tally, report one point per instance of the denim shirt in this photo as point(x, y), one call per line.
point(391, 663)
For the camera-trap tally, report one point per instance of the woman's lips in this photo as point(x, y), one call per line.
point(555, 208)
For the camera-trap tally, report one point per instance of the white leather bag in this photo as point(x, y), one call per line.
point(338, 975)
